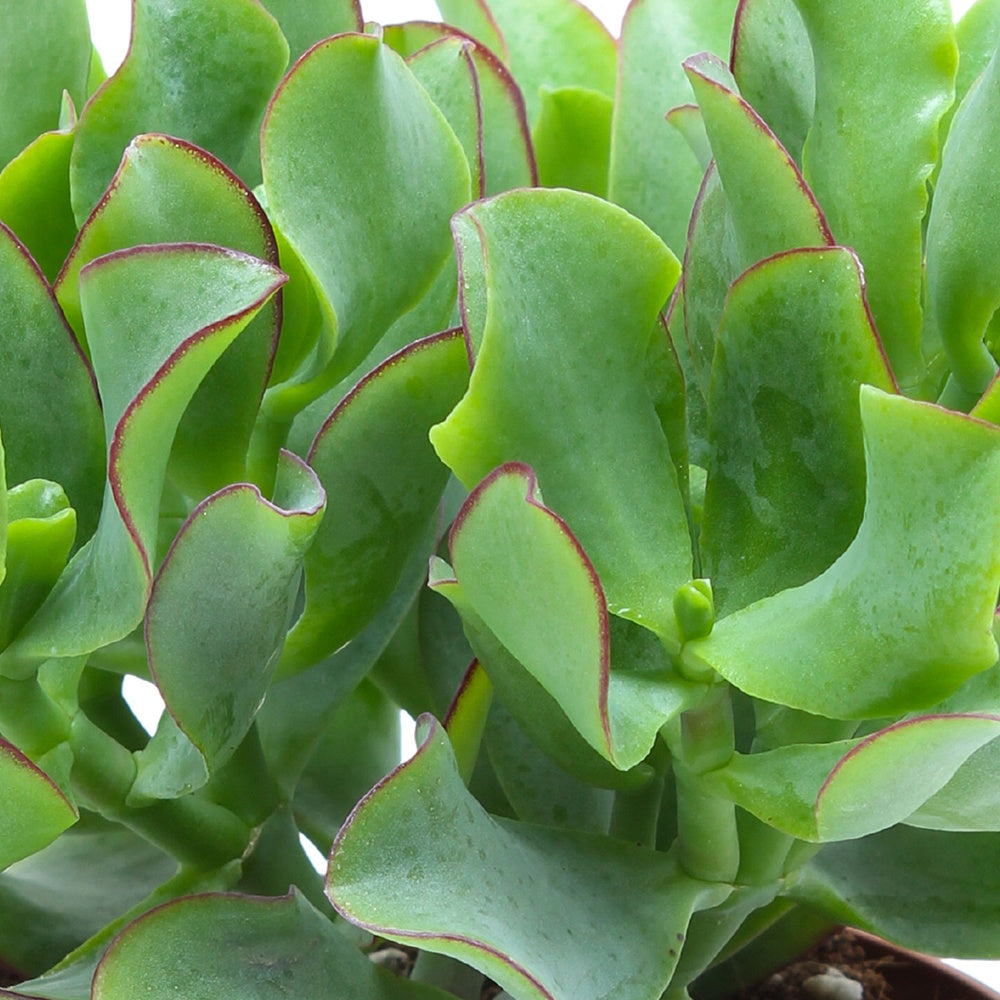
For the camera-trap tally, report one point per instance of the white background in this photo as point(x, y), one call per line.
point(110, 27)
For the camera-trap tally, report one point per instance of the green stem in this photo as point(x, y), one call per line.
point(29, 718)
point(635, 814)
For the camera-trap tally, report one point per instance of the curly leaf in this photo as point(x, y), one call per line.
point(159, 317)
point(904, 616)
point(49, 411)
point(560, 373)
point(786, 480)
point(853, 788)
point(231, 576)
point(227, 946)
point(772, 61)
point(384, 482)
point(938, 893)
point(386, 181)
point(44, 50)
point(609, 922)
point(178, 77)
point(653, 173)
point(963, 249)
point(35, 812)
point(168, 191)
point(34, 197)
point(882, 86)
point(523, 575)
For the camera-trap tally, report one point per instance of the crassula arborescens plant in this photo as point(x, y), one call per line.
point(677, 371)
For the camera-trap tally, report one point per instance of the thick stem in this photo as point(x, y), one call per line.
point(635, 815)
point(29, 718)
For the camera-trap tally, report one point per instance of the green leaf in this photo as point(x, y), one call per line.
point(34, 198)
point(231, 576)
point(110, 869)
point(223, 946)
point(387, 181)
point(384, 482)
point(41, 530)
point(772, 61)
point(49, 410)
point(786, 479)
point(304, 24)
point(553, 43)
point(653, 173)
point(963, 250)
point(159, 317)
point(933, 892)
point(596, 917)
point(853, 788)
point(882, 86)
point(495, 135)
point(859, 641)
point(475, 19)
point(34, 811)
point(560, 373)
point(178, 78)
point(44, 50)
point(573, 139)
point(168, 191)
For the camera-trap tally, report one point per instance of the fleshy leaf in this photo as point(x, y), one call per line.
point(934, 892)
point(904, 616)
point(475, 19)
point(962, 241)
point(34, 811)
point(772, 61)
point(573, 139)
point(168, 191)
point(525, 577)
point(786, 483)
point(44, 50)
point(34, 199)
point(653, 173)
point(624, 909)
point(178, 78)
point(355, 176)
point(853, 788)
point(158, 317)
point(882, 86)
point(304, 24)
point(564, 352)
point(227, 946)
point(384, 482)
point(49, 411)
point(231, 576)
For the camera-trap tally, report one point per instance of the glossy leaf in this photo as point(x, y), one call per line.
point(554, 43)
point(850, 789)
point(231, 575)
point(497, 145)
point(41, 530)
point(933, 892)
point(157, 323)
point(304, 24)
point(786, 481)
point(962, 244)
point(573, 139)
point(387, 181)
point(48, 401)
point(772, 61)
point(226, 946)
point(34, 199)
point(882, 86)
point(560, 373)
point(904, 616)
point(384, 482)
point(609, 924)
point(35, 811)
point(44, 50)
point(177, 78)
point(653, 173)
point(168, 191)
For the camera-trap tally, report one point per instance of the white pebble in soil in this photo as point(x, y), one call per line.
point(833, 985)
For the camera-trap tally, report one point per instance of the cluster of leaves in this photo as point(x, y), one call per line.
point(293, 309)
